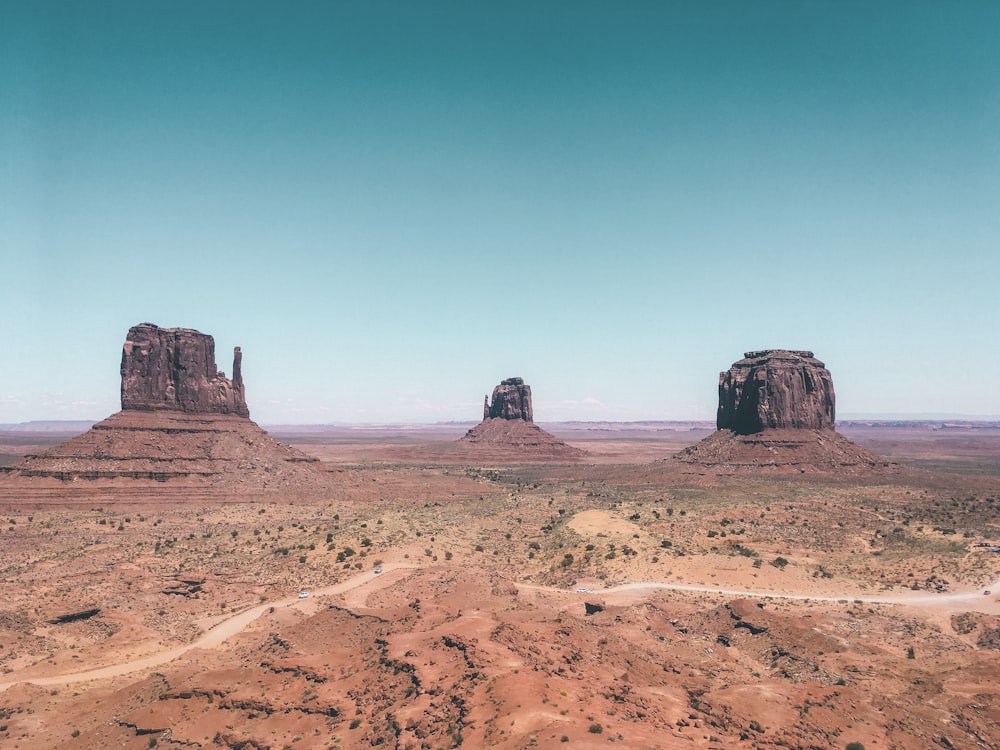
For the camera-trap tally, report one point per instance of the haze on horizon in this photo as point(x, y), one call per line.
point(392, 206)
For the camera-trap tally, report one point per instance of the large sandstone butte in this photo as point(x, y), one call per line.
point(182, 422)
point(776, 414)
point(508, 430)
point(174, 369)
point(511, 400)
point(776, 389)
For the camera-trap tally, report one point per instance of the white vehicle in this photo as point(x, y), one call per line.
point(303, 595)
point(378, 569)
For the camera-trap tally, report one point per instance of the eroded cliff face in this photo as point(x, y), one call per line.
point(174, 369)
point(776, 389)
point(183, 423)
point(511, 400)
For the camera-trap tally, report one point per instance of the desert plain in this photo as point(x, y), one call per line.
point(430, 598)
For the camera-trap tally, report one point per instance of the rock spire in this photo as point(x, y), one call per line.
point(174, 369)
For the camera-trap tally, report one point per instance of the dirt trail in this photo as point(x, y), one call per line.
point(222, 631)
point(363, 584)
point(987, 603)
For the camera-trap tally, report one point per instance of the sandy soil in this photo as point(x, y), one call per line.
point(715, 612)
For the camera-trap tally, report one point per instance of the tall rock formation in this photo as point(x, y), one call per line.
point(182, 422)
point(174, 369)
point(776, 389)
point(776, 415)
point(511, 400)
point(508, 430)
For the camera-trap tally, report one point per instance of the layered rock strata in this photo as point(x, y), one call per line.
point(172, 445)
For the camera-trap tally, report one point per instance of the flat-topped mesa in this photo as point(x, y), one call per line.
point(174, 369)
point(511, 400)
point(776, 389)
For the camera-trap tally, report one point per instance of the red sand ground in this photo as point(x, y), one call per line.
point(797, 602)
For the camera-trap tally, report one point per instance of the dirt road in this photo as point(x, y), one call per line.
point(363, 583)
point(222, 631)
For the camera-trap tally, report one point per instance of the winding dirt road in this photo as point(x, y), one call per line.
point(220, 632)
point(370, 581)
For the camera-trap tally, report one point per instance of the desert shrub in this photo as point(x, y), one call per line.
point(595, 728)
point(779, 562)
point(855, 746)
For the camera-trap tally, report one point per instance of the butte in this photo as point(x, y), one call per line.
point(777, 415)
point(508, 429)
point(184, 431)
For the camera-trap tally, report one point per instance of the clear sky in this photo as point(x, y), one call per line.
point(391, 206)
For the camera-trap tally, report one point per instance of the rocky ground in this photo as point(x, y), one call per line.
point(518, 605)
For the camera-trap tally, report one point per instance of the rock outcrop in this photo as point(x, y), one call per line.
point(511, 400)
point(174, 369)
point(508, 430)
point(776, 415)
point(776, 389)
point(182, 423)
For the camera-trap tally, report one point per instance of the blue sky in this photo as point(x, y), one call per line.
point(392, 205)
